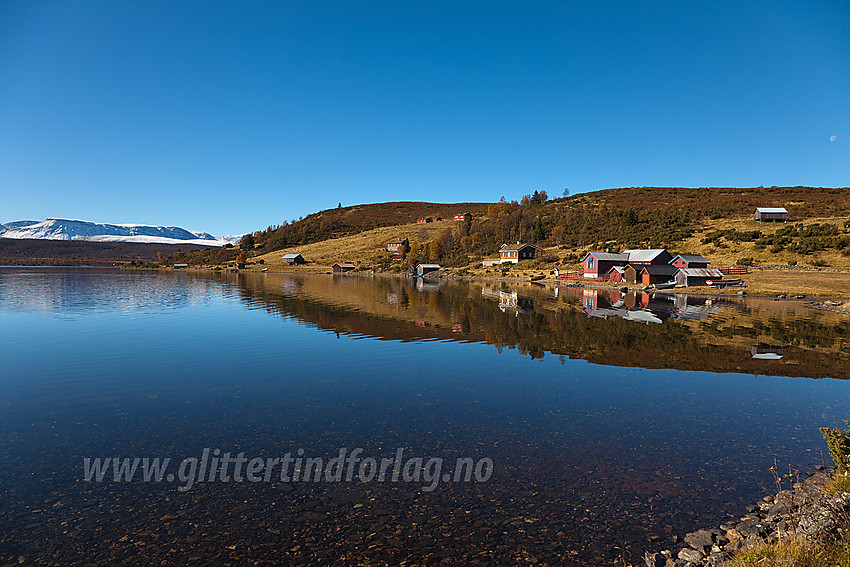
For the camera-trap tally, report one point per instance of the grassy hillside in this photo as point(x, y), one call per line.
point(343, 221)
point(720, 202)
point(716, 222)
point(369, 247)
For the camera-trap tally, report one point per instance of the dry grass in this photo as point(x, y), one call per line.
point(798, 282)
point(838, 484)
point(827, 550)
point(365, 247)
point(796, 553)
point(721, 257)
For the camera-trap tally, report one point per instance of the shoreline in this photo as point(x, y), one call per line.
point(806, 509)
point(696, 291)
point(831, 303)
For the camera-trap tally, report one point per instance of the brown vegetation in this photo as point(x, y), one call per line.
point(37, 252)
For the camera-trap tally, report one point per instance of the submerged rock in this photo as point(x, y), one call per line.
point(804, 510)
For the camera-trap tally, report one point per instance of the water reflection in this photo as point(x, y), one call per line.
point(510, 300)
point(73, 291)
point(601, 325)
point(646, 307)
point(767, 352)
point(590, 457)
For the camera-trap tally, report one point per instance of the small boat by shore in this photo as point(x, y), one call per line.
point(668, 285)
point(724, 283)
point(536, 278)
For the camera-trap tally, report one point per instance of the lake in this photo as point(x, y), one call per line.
point(561, 425)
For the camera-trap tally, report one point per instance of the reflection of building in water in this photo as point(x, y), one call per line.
point(490, 292)
point(510, 300)
point(766, 352)
point(642, 316)
point(513, 301)
point(597, 304)
point(427, 285)
point(644, 307)
point(692, 308)
point(290, 286)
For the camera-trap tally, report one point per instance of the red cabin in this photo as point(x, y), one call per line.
point(597, 264)
point(689, 261)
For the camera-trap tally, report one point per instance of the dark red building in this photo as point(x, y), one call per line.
point(597, 264)
point(689, 261)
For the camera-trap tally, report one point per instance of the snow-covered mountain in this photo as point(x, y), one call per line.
point(232, 238)
point(63, 229)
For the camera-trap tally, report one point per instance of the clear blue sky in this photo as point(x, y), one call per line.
point(230, 116)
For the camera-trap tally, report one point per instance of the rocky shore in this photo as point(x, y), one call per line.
point(804, 510)
point(833, 306)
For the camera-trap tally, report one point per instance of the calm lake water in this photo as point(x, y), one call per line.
point(612, 421)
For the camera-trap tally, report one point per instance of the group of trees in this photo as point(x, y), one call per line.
point(568, 224)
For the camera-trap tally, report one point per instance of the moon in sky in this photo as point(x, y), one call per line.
point(833, 138)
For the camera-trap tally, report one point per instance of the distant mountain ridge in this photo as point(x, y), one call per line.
point(67, 229)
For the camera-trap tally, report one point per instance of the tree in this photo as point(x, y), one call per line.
point(434, 251)
point(566, 192)
point(160, 258)
point(558, 234)
point(247, 242)
point(538, 230)
point(446, 240)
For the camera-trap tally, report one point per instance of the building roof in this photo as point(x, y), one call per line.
point(771, 210)
point(290, 256)
point(691, 258)
point(701, 272)
point(647, 255)
point(434, 266)
point(516, 247)
point(641, 316)
point(608, 256)
point(654, 270)
point(345, 265)
point(620, 269)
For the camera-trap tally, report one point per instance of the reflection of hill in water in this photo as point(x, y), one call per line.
point(601, 326)
point(67, 291)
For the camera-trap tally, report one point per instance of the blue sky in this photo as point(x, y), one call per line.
point(231, 116)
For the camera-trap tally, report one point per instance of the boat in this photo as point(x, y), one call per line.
point(536, 278)
point(668, 285)
point(723, 283)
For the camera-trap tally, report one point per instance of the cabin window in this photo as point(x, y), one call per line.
point(590, 263)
